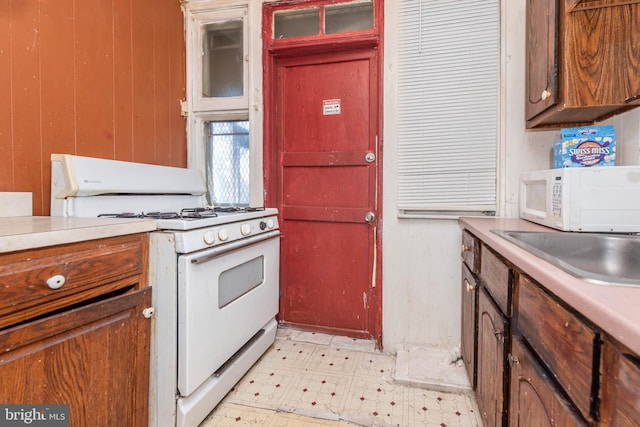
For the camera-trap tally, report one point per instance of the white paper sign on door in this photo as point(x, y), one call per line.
point(330, 106)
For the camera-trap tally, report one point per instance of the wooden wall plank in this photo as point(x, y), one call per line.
point(57, 84)
point(25, 86)
point(94, 78)
point(123, 91)
point(6, 146)
point(143, 81)
point(178, 86)
point(162, 79)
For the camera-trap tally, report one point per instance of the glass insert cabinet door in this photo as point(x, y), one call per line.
point(221, 52)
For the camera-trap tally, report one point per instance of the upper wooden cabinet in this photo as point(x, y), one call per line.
point(583, 60)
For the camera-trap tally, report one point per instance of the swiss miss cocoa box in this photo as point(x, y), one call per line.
point(586, 146)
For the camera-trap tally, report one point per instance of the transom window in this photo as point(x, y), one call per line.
point(325, 19)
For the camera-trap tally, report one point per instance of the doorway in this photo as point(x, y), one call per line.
point(325, 143)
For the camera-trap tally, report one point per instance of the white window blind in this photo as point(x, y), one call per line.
point(448, 109)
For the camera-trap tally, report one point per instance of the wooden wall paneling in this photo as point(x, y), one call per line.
point(57, 47)
point(25, 98)
point(122, 80)
point(178, 86)
point(94, 78)
point(162, 84)
point(6, 148)
point(143, 80)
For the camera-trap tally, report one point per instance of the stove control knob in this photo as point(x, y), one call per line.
point(263, 225)
point(223, 234)
point(270, 223)
point(245, 229)
point(209, 237)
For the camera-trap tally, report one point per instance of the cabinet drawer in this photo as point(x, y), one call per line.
point(469, 251)
point(563, 342)
point(494, 275)
point(81, 267)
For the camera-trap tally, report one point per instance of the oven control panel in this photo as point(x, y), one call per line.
point(201, 238)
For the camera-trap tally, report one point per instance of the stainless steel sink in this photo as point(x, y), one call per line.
point(608, 259)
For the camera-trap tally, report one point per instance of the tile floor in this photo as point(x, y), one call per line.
point(307, 379)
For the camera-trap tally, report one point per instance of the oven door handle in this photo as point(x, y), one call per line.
point(250, 241)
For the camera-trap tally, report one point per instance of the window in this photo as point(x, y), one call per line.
point(223, 59)
point(330, 19)
point(296, 23)
point(218, 56)
point(341, 18)
point(224, 135)
point(227, 162)
point(448, 109)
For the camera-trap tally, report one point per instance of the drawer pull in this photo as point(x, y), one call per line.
point(148, 312)
point(56, 282)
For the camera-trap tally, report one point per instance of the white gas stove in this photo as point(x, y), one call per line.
point(214, 273)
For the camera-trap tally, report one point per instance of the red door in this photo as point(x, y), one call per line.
point(327, 125)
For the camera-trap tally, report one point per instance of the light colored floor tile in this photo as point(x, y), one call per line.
point(320, 393)
point(228, 414)
point(231, 415)
point(288, 354)
point(375, 365)
point(307, 379)
point(304, 336)
point(428, 407)
point(333, 360)
point(261, 387)
point(376, 400)
point(353, 343)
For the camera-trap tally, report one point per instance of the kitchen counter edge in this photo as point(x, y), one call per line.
point(612, 308)
point(29, 232)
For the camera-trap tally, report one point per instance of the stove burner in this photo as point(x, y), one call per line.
point(198, 213)
point(160, 215)
point(152, 215)
point(229, 209)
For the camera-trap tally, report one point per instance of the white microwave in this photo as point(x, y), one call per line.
point(593, 199)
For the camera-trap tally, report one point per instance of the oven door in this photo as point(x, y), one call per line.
point(225, 296)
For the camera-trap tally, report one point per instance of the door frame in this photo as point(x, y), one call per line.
point(273, 53)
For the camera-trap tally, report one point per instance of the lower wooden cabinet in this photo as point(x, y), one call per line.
point(534, 399)
point(620, 396)
point(75, 324)
point(94, 358)
point(493, 331)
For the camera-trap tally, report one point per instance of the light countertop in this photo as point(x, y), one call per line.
point(612, 308)
point(26, 232)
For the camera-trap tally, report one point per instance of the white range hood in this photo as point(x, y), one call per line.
point(80, 186)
